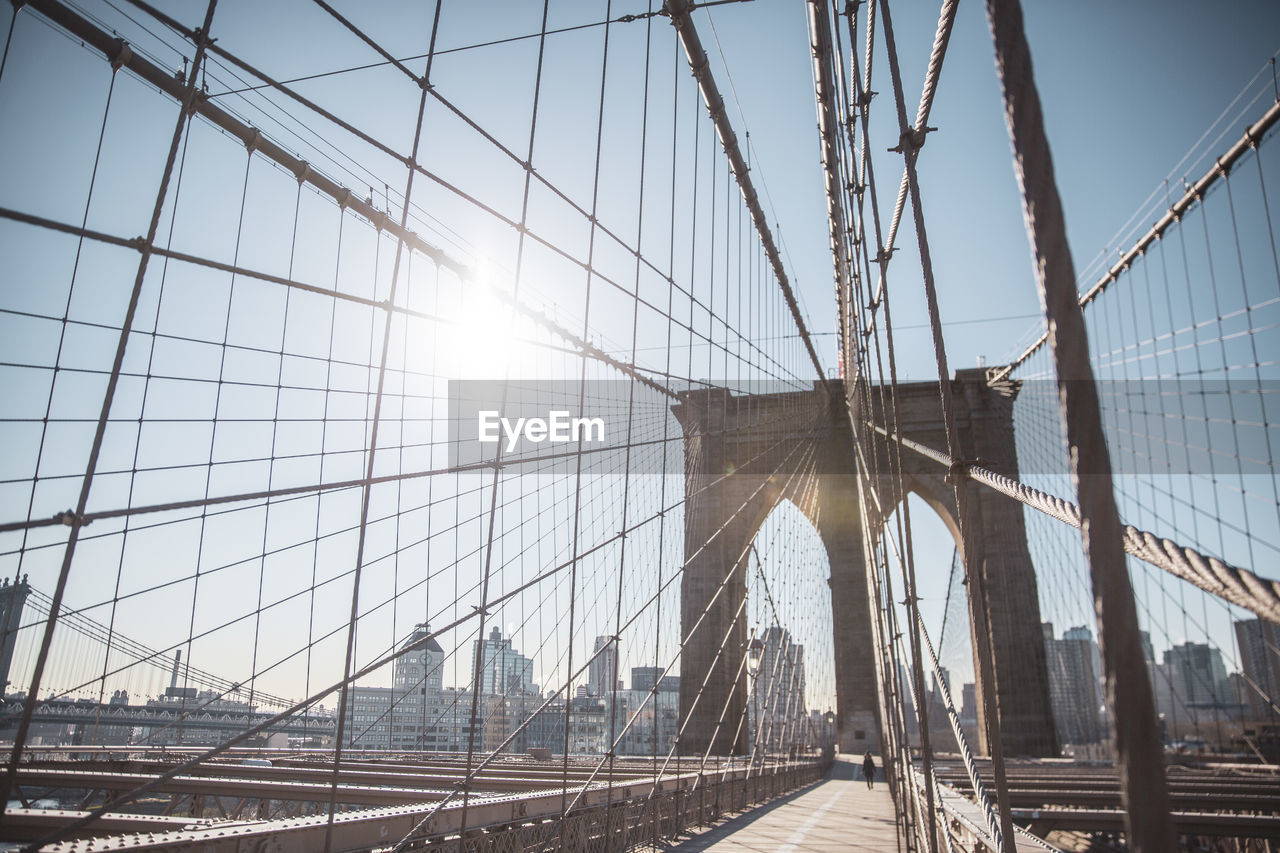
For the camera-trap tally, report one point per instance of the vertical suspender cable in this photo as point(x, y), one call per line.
point(202, 41)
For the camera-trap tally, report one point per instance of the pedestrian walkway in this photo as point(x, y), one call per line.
point(836, 814)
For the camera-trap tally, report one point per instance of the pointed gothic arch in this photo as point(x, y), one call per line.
point(745, 454)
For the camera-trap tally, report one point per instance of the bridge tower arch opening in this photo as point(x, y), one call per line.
point(791, 687)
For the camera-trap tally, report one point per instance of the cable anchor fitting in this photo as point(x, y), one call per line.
point(912, 140)
point(69, 518)
point(958, 471)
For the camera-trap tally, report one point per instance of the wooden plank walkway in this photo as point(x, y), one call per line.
point(839, 813)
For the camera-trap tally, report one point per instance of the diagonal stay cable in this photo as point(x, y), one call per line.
point(1237, 585)
point(461, 785)
point(421, 643)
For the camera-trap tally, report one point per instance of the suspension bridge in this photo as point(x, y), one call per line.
point(422, 430)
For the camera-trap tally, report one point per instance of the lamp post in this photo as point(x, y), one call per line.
point(755, 650)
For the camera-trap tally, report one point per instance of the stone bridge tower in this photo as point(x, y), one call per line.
point(745, 454)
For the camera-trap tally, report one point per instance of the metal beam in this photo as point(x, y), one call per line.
point(32, 824)
point(1188, 823)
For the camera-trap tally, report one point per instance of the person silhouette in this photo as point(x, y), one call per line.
point(869, 770)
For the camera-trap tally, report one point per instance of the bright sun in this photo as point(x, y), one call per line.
point(483, 344)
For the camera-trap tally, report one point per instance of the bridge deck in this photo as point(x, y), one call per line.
point(837, 814)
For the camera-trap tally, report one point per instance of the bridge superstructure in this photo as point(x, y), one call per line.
point(265, 586)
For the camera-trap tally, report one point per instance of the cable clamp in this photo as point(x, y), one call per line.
point(882, 257)
point(200, 38)
point(958, 471)
point(69, 518)
point(120, 53)
point(303, 172)
point(912, 140)
point(864, 98)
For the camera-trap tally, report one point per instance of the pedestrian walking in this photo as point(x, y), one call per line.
point(869, 770)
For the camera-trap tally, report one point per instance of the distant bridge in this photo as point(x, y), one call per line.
point(166, 722)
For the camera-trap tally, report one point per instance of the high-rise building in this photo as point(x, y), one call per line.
point(1073, 686)
point(1148, 653)
point(417, 713)
point(937, 705)
point(602, 673)
point(422, 669)
point(501, 669)
point(969, 704)
point(1259, 642)
point(1197, 672)
point(643, 679)
point(1083, 634)
point(780, 686)
point(656, 715)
